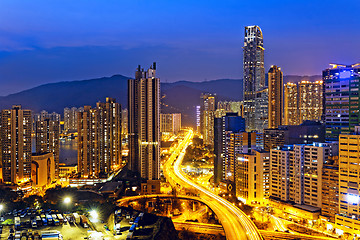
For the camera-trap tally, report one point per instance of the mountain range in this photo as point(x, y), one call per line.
point(181, 96)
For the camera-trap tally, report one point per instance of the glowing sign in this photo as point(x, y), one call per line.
point(353, 199)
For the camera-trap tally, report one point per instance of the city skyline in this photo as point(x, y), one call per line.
point(51, 43)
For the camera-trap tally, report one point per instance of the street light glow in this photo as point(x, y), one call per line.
point(67, 200)
point(94, 215)
point(1, 207)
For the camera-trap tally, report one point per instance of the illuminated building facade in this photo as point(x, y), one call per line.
point(88, 161)
point(198, 118)
point(231, 122)
point(16, 127)
point(255, 91)
point(47, 133)
point(348, 219)
point(231, 107)
point(99, 139)
point(207, 115)
point(276, 101)
point(109, 134)
point(236, 143)
point(42, 169)
point(252, 176)
point(144, 123)
point(303, 101)
point(291, 106)
point(70, 118)
point(305, 133)
point(124, 121)
point(330, 188)
point(310, 100)
point(341, 99)
point(170, 122)
point(296, 172)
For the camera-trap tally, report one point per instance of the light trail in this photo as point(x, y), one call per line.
point(236, 224)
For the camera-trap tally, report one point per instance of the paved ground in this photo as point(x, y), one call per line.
point(69, 232)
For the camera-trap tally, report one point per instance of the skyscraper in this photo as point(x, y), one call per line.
point(207, 114)
point(88, 161)
point(275, 83)
point(341, 99)
point(47, 133)
point(99, 138)
point(144, 123)
point(255, 91)
point(109, 134)
point(16, 144)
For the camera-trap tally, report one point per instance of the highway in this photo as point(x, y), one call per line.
point(235, 223)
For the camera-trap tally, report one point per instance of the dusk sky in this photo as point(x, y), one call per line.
point(63, 40)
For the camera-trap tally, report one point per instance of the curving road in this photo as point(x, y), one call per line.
point(235, 223)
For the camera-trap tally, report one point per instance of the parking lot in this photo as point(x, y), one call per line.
point(31, 224)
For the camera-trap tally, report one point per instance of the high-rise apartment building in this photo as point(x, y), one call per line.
point(109, 134)
point(296, 172)
point(330, 188)
point(15, 130)
point(311, 100)
point(255, 91)
point(170, 122)
point(231, 122)
point(124, 121)
point(276, 102)
point(70, 118)
point(236, 143)
point(207, 115)
point(88, 161)
point(303, 101)
point(47, 134)
point(144, 123)
point(252, 176)
point(99, 139)
point(348, 219)
point(341, 99)
point(291, 106)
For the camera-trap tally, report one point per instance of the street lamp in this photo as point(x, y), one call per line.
point(67, 201)
point(1, 208)
point(94, 216)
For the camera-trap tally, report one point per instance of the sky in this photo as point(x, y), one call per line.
point(44, 41)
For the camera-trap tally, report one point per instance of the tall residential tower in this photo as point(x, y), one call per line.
point(144, 123)
point(276, 101)
point(15, 133)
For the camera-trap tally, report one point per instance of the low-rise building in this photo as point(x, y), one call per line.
point(42, 169)
point(150, 187)
point(67, 170)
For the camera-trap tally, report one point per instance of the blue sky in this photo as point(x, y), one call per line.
point(49, 41)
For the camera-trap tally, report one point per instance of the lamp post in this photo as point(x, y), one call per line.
point(1, 208)
point(67, 201)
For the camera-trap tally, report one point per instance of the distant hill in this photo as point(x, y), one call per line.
point(180, 96)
